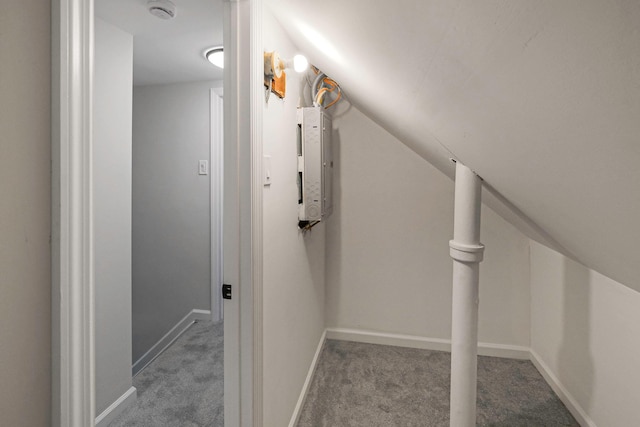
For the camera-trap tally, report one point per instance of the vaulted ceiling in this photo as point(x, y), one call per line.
point(540, 98)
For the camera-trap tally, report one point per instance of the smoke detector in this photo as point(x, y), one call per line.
point(163, 9)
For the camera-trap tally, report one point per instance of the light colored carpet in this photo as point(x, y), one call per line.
point(184, 386)
point(371, 385)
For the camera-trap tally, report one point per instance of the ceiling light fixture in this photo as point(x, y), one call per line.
point(162, 9)
point(215, 55)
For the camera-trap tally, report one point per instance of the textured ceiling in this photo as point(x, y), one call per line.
point(168, 51)
point(541, 98)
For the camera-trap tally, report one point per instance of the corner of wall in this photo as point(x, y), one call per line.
point(293, 262)
point(584, 329)
point(529, 266)
point(111, 161)
point(127, 399)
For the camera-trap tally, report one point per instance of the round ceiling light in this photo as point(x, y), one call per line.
point(162, 9)
point(215, 55)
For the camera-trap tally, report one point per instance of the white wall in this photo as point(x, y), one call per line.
point(293, 278)
point(25, 208)
point(388, 264)
point(112, 210)
point(171, 212)
point(585, 329)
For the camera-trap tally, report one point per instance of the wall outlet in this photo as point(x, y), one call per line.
point(266, 170)
point(203, 167)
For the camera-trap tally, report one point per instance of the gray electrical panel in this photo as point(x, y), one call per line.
point(315, 164)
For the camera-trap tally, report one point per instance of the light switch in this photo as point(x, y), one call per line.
point(203, 167)
point(266, 170)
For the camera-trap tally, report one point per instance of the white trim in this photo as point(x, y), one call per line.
point(216, 141)
point(116, 408)
point(569, 401)
point(243, 78)
point(169, 338)
point(73, 371)
point(399, 340)
point(297, 411)
point(256, 106)
point(426, 343)
point(503, 350)
point(233, 404)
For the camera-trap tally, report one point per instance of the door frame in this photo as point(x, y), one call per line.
point(73, 373)
point(243, 106)
point(73, 331)
point(216, 175)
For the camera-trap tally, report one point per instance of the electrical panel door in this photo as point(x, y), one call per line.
point(315, 165)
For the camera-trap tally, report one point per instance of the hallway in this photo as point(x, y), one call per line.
point(184, 386)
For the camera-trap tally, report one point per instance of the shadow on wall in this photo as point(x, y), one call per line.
point(317, 262)
point(315, 257)
point(333, 245)
point(574, 357)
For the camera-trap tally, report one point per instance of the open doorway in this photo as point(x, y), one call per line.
point(157, 213)
point(73, 216)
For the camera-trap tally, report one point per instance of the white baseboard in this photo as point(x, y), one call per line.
point(307, 382)
point(116, 408)
point(169, 338)
point(425, 343)
point(569, 401)
point(503, 350)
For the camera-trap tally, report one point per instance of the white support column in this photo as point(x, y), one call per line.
point(466, 251)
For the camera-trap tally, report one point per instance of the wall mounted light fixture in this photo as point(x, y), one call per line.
point(215, 55)
point(274, 65)
point(274, 71)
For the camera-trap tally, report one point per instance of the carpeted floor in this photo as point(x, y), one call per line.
point(184, 386)
point(371, 385)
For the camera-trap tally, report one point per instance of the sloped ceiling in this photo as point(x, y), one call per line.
point(540, 98)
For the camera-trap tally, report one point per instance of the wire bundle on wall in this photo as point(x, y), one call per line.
point(324, 86)
point(307, 225)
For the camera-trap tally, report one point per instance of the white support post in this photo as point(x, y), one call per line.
point(466, 251)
